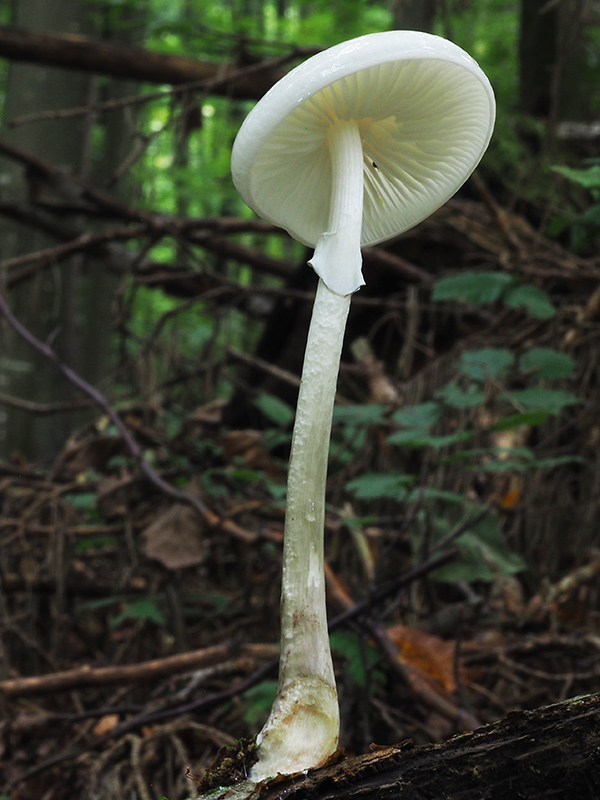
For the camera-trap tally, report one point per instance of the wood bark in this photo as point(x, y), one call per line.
point(553, 752)
point(86, 54)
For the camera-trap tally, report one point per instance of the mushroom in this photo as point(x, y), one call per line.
point(354, 146)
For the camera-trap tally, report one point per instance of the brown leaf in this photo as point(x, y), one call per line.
point(431, 656)
point(106, 724)
point(176, 538)
point(116, 495)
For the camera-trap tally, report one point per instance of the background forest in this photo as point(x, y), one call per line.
point(152, 330)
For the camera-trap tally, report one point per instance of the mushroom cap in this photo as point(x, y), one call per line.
point(425, 112)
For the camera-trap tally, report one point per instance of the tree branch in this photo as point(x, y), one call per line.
point(86, 54)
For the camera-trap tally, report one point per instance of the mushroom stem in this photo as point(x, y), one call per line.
point(303, 727)
point(337, 258)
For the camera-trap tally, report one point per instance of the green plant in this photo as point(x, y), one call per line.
point(583, 226)
point(132, 609)
point(480, 392)
point(483, 288)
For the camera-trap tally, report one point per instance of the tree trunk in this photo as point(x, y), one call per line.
point(43, 304)
point(414, 15)
point(553, 80)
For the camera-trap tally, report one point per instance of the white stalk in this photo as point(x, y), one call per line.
point(303, 727)
point(337, 258)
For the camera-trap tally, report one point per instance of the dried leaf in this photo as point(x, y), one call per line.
point(431, 656)
point(176, 538)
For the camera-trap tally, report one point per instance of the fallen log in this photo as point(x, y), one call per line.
point(552, 753)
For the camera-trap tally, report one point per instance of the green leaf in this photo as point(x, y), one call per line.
point(550, 400)
point(420, 438)
point(517, 420)
point(489, 362)
point(588, 178)
point(547, 363)
point(359, 655)
point(274, 409)
point(591, 216)
point(556, 226)
point(429, 493)
point(534, 300)
point(144, 609)
point(82, 501)
point(558, 461)
point(423, 415)
point(375, 485)
point(260, 699)
point(364, 414)
point(93, 542)
point(484, 553)
point(455, 397)
point(476, 288)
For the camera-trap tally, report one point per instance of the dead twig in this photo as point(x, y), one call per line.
point(149, 670)
point(212, 519)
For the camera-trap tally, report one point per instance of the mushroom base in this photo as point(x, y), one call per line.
point(302, 730)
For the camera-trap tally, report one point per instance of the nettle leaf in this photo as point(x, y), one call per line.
point(484, 554)
point(420, 438)
point(365, 414)
point(550, 400)
point(534, 300)
point(547, 363)
point(489, 362)
point(373, 486)
point(476, 288)
point(456, 397)
point(423, 415)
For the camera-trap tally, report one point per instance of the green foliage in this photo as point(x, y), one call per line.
point(476, 288)
point(259, 701)
point(133, 609)
point(94, 543)
point(371, 486)
point(541, 399)
point(455, 396)
point(489, 362)
point(583, 226)
point(146, 608)
point(420, 416)
point(274, 409)
point(545, 362)
point(360, 656)
point(352, 416)
point(484, 378)
point(85, 503)
point(532, 299)
point(484, 288)
point(483, 552)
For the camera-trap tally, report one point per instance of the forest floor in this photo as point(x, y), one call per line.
point(139, 621)
point(139, 638)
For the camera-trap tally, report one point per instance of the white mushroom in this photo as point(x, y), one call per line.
point(359, 143)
